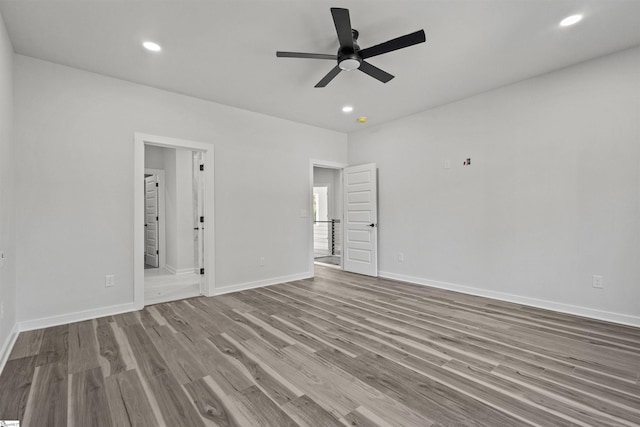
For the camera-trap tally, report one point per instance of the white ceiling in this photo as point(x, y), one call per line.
point(224, 51)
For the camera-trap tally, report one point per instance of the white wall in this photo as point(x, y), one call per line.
point(184, 170)
point(154, 157)
point(331, 177)
point(7, 195)
point(71, 124)
point(171, 207)
point(552, 195)
point(182, 257)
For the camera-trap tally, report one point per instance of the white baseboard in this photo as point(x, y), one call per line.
point(46, 322)
point(179, 271)
point(624, 319)
point(261, 283)
point(7, 346)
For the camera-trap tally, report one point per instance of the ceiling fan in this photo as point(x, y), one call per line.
point(350, 57)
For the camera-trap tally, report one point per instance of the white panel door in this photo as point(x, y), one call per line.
point(151, 221)
point(361, 220)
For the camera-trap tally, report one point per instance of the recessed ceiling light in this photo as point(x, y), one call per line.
point(154, 47)
point(347, 109)
point(570, 20)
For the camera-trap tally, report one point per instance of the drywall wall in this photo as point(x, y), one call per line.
point(179, 209)
point(154, 157)
point(171, 207)
point(7, 199)
point(551, 196)
point(331, 177)
point(184, 212)
point(71, 125)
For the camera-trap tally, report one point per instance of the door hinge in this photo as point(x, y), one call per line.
point(201, 167)
point(157, 252)
point(202, 271)
point(201, 219)
point(156, 184)
point(157, 219)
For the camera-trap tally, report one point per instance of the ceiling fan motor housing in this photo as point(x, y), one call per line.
point(349, 59)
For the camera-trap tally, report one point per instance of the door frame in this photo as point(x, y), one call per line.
point(327, 165)
point(162, 242)
point(140, 139)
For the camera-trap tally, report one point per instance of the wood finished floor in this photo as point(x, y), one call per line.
point(340, 349)
point(161, 286)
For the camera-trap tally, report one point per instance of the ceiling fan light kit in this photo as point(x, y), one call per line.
point(350, 57)
point(349, 64)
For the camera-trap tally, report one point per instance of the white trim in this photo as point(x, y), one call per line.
point(162, 230)
point(170, 269)
point(179, 272)
point(328, 165)
point(7, 346)
point(185, 271)
point(140, 139)
point(46, 322)
point(608, 316)
point(262, 283)
point(79, 316)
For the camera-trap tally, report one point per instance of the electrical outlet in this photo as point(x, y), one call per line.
point(109, 281)
point(400, 257)
point(447, 164)
point(2, 310)
point(1, 259)
point(261, 261)
point(598, 281)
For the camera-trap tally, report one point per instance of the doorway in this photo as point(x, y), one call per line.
point(325, 202)
point(174, 250)
point(353, 202)
point(177, 276)
point(327, 216)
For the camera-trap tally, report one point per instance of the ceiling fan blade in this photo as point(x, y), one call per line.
point(306, 55)
point(326, 79)
point(375, 72)
point(343, 27)
point(394, 44)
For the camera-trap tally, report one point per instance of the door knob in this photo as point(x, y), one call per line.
point(372, 225)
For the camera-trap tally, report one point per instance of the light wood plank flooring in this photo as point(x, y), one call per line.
point(340, 349)
point(162, 286)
